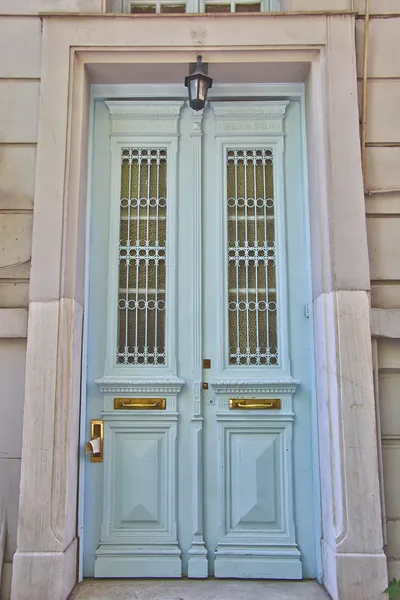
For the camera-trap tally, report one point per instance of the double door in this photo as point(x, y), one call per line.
point(198, 354)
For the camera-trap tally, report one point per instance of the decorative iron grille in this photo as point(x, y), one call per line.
point(142, 257)
point(252, 297)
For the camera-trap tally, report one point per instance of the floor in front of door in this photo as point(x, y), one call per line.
point(209, 589)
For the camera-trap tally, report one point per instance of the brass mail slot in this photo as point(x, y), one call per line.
point(140, 403)
point(255, 403)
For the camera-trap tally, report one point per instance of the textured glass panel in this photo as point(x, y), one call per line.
point(218, 8)
point(248, 7)
point(252, 302)
point(142, 257)
point(140, 9)
point(173, 8)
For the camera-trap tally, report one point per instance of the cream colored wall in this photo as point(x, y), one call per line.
point(20, 44)
point(20, 50)
point(383, 222)
point(382, 172)
point(20, 61)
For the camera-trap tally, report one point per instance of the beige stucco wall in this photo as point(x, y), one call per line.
point(383, 225)
point(20, 65)
point(20, 41)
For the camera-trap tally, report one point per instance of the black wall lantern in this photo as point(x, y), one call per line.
point(198, 84)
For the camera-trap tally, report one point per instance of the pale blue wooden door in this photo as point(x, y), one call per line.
point(198, 353)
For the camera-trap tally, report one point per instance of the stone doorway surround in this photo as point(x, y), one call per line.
point(81, 49)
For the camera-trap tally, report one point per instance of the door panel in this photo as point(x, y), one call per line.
point(207, 259)
point(138, 537)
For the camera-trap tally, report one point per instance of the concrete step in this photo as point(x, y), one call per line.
point(185, 589)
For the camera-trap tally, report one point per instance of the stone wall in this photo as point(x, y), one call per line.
point(20, 45)
point(20, 63)
point(20, 53)
point(382, 172)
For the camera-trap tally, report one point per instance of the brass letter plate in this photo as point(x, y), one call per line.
point(140, 403)
point(256, 403)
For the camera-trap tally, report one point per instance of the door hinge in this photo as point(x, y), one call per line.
point(307, 311)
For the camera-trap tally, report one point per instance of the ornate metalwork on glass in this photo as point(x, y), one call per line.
point(142, 257)
point(252, 298)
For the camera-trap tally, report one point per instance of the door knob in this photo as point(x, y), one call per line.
point(94, 447)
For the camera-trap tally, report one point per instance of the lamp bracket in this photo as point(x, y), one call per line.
point(192, 68)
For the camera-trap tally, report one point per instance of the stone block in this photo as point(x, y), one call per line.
point(383, 204)
point(32, 572)
point(20, 44)
point(52, 397)
point(384, 247)
point(14, 294)
point(354, 576)
point(12, 377)
point(383, 122)
point(5, 589)
point(391, 472)
point(13, 322)
point(382, 169)
point(9, 492)
point(347, 424)
point(15, 238)
point(19, 105)
point(393, 538)
point(382, 7)
point(393, 569)
point(385, 296)
point(389, 394)
point(384, 43)
point(17, 176)
point(385, 322)
point(389, 354)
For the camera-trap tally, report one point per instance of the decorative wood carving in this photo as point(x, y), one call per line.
point(237, 118)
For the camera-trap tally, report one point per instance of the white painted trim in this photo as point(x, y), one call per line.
point(85, 333)
point(198, 562)
point(197, 192)
point(13, 322)
point(313, 378)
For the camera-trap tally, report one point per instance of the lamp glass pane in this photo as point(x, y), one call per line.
point(194, 86)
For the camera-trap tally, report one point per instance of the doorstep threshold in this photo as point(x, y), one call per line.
point(197, 589)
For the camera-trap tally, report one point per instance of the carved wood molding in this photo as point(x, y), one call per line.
point(240, 117)
point(148, 118)
point(254, 386)
point(167, 385)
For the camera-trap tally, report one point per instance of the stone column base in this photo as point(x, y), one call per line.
point(44, 575)
point(354, 576)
